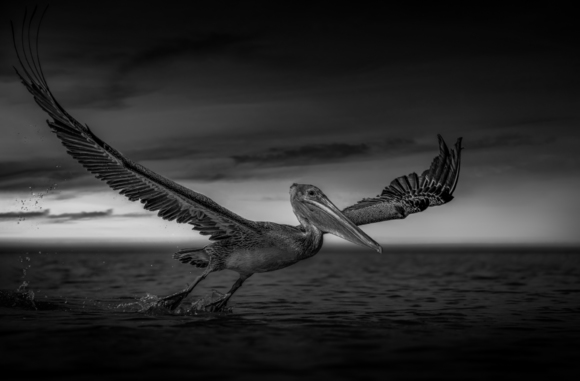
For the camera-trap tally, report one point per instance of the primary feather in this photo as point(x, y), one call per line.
point(134, 181)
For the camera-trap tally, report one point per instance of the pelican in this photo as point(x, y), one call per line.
point(241, 245)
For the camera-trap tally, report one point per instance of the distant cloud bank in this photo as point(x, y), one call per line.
point(67, 217)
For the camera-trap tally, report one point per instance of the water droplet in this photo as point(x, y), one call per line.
point(22, 287)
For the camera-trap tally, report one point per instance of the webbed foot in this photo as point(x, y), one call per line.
point(218, 305)
point(171, 302)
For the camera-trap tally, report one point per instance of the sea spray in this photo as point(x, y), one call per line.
point(23, 294)
point(150, 304)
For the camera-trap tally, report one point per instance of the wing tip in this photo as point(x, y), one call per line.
point(434, 187)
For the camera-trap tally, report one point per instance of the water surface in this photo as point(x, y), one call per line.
point(412, 314)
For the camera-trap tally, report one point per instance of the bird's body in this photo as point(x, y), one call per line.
point(281, 247)
point(240, 245)
point(277, 247)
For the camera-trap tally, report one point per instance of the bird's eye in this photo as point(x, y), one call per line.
point(311, 193)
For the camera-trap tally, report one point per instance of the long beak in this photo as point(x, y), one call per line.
point(333, 221)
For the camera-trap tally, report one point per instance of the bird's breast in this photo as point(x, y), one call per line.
point(260, 260)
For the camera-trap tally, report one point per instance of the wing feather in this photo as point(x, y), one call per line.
point(156, 193)
point(412, 193)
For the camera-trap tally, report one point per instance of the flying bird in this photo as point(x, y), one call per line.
point(241, 245)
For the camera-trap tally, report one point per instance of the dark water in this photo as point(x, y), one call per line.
point(412, 315)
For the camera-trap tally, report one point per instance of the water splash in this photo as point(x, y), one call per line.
point(23, 294)
point(32, 206)
point(26, 265)
point(205, 304)
point(143, 304)
point(150, 304)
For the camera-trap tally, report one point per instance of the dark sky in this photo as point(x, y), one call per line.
point(238, 102)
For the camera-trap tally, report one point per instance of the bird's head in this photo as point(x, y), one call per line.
point(313, 208)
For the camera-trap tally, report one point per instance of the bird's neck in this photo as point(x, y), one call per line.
point(312, 239)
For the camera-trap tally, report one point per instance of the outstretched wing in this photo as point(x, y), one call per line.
point(412, 194)
point(173, 201)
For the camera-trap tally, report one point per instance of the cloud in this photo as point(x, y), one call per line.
point(68, 217)
point(541, 121)
point(99, 93)
point(313, 154)
point(80, 84)
point(177, 160)
point(113, 83)
point(393, 146)
point(131, 215)
point(68, 195)
point(40, 173)
point(511, 140)
point(23, 215)
point(303, 155)
point(169, 150)
point(211, 44)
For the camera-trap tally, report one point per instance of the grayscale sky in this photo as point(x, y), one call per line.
point(239, 102)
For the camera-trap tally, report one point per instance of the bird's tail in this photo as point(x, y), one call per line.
point(196, 257)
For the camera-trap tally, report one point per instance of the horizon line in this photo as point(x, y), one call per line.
point(14, 243)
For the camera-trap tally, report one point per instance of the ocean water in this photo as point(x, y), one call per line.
point(407, 314)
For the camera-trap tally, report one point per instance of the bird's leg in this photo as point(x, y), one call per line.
point(173, 301)
point(220, 304)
